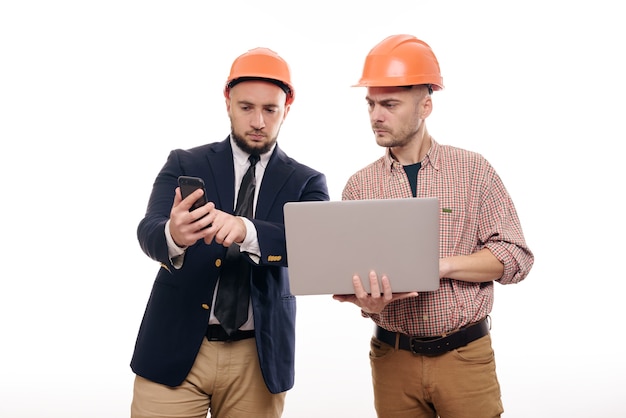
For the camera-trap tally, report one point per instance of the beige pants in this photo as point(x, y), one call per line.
point(459, 384)
point(225, 380)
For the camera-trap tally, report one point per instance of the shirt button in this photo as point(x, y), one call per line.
point(425, 317)
point(205, 306)
point(218, 262)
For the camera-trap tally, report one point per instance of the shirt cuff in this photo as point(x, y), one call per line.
point(250, 243)
point(175, 253)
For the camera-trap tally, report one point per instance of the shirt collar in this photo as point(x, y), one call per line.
point(431, 157)
point(240, 157)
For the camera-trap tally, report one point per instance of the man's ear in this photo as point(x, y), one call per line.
point(227, 97)
point(287, 107)
point(426, 107)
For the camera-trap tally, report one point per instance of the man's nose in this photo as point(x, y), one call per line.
point(257, 120)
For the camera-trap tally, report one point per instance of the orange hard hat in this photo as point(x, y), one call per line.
point(401, 60)
point(261, 64)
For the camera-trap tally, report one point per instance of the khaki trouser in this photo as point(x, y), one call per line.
point(459, 384)
point(225, 380)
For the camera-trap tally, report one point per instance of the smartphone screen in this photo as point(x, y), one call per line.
point(190, 184)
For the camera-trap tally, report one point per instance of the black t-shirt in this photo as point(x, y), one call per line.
point(411, 173)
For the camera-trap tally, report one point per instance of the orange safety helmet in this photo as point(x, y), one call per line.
point(261, 64)
point(401, 60)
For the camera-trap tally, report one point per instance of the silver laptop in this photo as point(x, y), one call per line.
point(329, 241)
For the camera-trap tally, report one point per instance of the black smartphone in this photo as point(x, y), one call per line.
point(190, 184)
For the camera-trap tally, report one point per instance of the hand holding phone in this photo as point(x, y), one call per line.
point(188, 185)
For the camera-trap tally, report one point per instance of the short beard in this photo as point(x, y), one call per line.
point(241, 143)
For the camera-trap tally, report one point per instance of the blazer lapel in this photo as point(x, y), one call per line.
point(276, 174)
point(221, 164)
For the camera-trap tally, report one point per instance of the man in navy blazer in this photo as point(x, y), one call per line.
point(185, 363)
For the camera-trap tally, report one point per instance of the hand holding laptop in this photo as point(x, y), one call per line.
point(375, 301)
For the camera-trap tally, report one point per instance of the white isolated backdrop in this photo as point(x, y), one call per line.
point(94, 94)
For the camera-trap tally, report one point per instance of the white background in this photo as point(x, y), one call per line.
point(94, 94)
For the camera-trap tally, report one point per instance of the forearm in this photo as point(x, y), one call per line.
point(482, 266)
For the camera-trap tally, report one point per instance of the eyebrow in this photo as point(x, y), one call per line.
point(247, 103)
point(383, 101)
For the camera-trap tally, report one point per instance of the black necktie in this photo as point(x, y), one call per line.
point(233, 292)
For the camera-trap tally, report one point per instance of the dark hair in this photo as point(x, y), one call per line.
point(430, 87)
point(279, 83)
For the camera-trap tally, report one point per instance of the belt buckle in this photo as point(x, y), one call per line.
point(424, 351)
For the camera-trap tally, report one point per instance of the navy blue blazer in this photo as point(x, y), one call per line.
point(177, 313)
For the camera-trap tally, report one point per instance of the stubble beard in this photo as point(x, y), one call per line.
point(389, 140)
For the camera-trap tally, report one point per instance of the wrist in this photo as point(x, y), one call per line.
point(182, 247)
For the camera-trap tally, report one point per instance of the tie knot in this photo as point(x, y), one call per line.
point(253, 158)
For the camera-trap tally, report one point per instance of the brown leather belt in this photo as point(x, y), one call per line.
point(217, 333)
point(434, 346)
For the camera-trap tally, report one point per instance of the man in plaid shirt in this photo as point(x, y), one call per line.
point(431, 353)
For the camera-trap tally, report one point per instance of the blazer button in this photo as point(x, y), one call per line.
point(218, 262)
point(205, 306)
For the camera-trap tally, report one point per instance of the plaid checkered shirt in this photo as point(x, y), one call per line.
point(476, 212)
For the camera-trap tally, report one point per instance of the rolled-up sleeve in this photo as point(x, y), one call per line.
point(501, 231)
